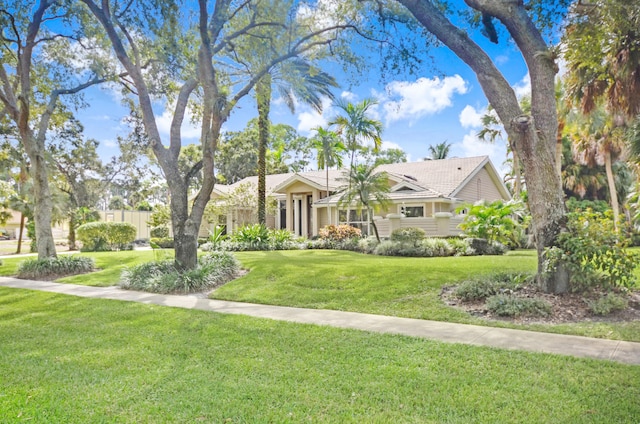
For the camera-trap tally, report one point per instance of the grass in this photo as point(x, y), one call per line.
point(110, 265)
point(405, 287)
point(75, 360)
point(341, 280)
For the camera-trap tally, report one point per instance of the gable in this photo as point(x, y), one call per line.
point(481, 186)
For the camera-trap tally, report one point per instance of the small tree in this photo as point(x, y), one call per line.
point(496, 221)
point(365, 190)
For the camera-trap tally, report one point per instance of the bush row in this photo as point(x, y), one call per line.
point(104, 236)
point(52, 268)
point(403, 242)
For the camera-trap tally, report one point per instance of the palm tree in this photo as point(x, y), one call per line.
point(598, 140)
point(365, 190)
point(294, 79)
point(439, 151)
point(329, 149)
point(356, 126)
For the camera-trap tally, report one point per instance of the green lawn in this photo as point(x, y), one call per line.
point(406, 287)
point(76, 360)
point(340, 280)
point(109, 264)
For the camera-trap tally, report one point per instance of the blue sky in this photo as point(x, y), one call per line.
point(442, 103)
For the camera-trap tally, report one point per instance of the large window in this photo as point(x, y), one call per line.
point(356, 219)
point(413, 211)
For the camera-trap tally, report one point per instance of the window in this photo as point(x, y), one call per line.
point(356, 219)
point(413, 211)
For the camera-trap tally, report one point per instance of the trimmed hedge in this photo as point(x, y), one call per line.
point(52, 268)
point(105, 236)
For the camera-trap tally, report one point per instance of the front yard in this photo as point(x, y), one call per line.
point(76, 360)
point(342, 280)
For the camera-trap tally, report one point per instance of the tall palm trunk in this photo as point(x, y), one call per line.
point(613, 194)
point(263, 97)
point(328, 209)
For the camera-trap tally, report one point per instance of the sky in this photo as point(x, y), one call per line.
point(443, 102)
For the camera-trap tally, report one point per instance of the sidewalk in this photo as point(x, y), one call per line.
point(613, 350)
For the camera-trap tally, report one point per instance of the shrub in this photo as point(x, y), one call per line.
point(213, 270)
point(339, 232)
point(461, 247)
point(410, 235)
point(159, 232)
point(281, 239)
point(100, 236)
point(435, 247)
point(162, 243)
point(497, 221)
point(484, 247)
point(608, 303)
point(51, 268)
point(594, 253)
point(481, 288)
point(256, 234)
point(514, 306)
point(367, 245)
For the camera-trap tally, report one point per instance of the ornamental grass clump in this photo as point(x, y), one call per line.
point(214, 269)
point(507, 305)
point(52, 268)
point(482, 288)
point(611, 302)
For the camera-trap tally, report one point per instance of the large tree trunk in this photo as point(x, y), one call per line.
point(42, 195)
point(263, 97)
point(534, 136)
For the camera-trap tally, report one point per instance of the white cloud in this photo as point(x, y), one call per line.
point(386, 145)
point(110, 143)
point(523, 87)
point(310, 118)
point(501, 59)
point(412, 100)
point(470, 117)
point(472, 146)
point(349, 96)
point(188, 129)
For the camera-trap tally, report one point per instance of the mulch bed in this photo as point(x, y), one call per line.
point(566, 308)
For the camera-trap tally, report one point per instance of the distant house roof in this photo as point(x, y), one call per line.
point(429, 179)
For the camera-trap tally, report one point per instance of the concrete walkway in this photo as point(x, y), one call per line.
point(614, 350)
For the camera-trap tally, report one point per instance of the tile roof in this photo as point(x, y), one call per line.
point(437, 178)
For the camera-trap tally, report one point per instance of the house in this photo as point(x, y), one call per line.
point(423, 194)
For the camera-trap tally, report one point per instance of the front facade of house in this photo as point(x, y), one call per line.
point(423, 194)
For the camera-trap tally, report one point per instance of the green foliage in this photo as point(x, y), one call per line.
point(481, 246)
point(162, 277)
point(162, 242)
point(100, 236)
point(256, 237)
point(585, 205)
point(160, 217)
point(482, 288)
point(514, 306)
point(595, 254)
point(338, 233)
point(217, 235)
point(143, 206)
point(256, 234)
point(611, 302)
point(159, 232)
point(497, 221)
point(52, 268)
point(425, 248)
point(410, 235)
